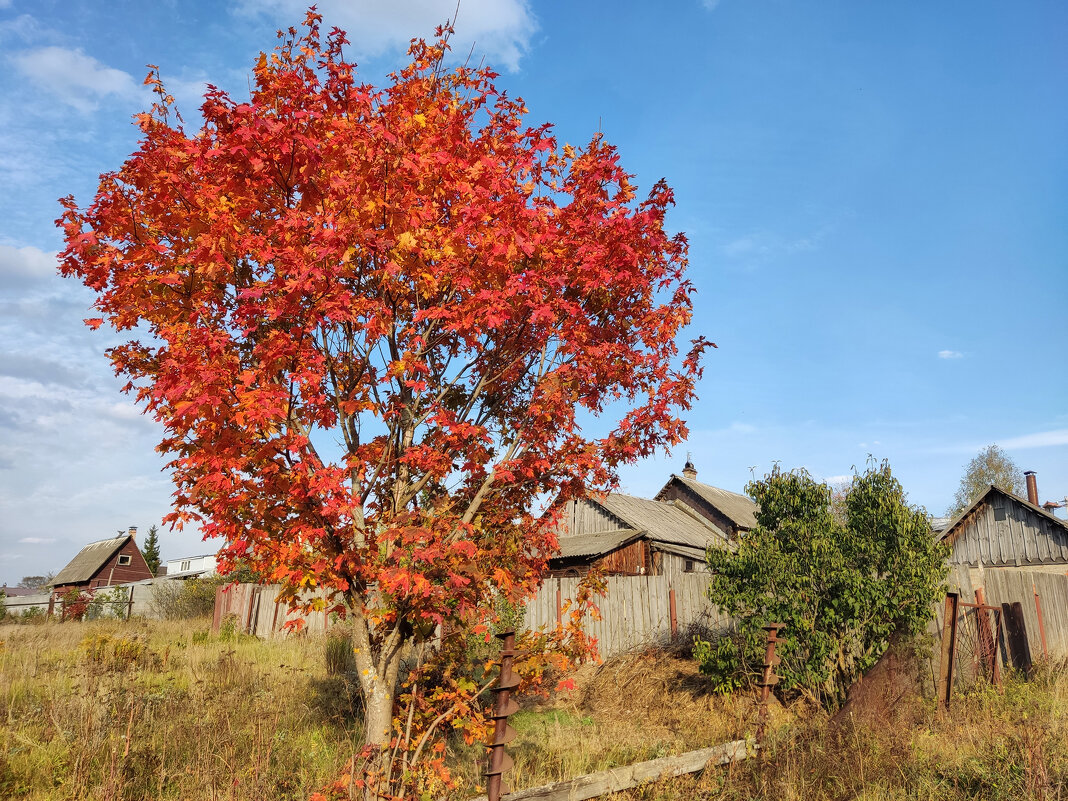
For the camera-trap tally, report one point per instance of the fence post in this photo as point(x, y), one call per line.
point(949, 649)
point(674, 616)
point(129, 606)
point(769, 679)
point(1041, 625)
point(499, 761)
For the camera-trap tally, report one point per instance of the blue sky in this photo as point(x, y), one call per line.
point(875, 196)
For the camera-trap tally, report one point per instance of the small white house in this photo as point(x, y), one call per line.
point(191, 566)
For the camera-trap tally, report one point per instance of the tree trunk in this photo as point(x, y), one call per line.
point(378, 680)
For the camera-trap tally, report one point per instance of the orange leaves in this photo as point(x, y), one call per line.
point(369, 320)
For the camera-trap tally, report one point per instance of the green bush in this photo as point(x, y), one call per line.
point(841, 583)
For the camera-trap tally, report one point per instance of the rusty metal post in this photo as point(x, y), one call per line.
point(499, 761)
point(988, 655)
point(949, 649)
point(674, 616)
point(559, 609)
point(1041, 625)
point(769, 679)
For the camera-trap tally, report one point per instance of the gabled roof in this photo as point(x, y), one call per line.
point(669, 526)
point(951, 531)
point(665, 522)
point(737, 508)
point(89, 560)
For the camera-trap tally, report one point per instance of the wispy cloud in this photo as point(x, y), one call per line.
point(37, 540)
point(500, 29)
point(761, 246)
point(1042, 439)
point(78, 80)
point(710, 5)
point(950, 354)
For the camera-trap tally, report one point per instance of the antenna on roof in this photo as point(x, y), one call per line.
point(688, 470)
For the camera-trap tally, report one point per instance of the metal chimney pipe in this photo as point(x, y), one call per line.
point(1032, 486)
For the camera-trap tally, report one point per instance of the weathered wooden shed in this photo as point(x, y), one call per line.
point(116, 560)
point(730, 512)
point(1001, 531)
point(627, 536)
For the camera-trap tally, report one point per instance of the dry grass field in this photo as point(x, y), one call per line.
point(150, 710)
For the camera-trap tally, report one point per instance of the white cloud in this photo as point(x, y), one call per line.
point(500, 29)
point(710, 5)
point(843, 479)
point(37, 540)
point(950, 354)
point(75, 78)
point(21, 267)
point(1042, 439)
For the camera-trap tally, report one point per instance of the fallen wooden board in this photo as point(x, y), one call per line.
point(616, 779)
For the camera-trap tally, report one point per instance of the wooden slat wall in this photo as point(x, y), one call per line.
point(635, 610)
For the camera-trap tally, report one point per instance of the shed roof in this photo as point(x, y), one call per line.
point(596, 543)
point(89, 560)
point(739, 509)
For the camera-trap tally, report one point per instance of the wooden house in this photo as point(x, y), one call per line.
point(628, 536)
point(730, 512)
point(117, 560)
point(1001, 531)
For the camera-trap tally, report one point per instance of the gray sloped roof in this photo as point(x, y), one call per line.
point(739, 509)
point(664, 522)
point(596, 543)
point(89, 560)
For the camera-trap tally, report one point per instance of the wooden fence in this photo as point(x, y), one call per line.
point(635, 611)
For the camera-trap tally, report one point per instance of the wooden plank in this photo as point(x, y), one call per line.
point(611, 781)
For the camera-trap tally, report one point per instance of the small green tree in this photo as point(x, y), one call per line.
point(990, 466)
point(151, 550)
point(842, 583)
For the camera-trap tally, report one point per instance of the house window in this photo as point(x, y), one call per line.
point(124, 559)
point(184, 567)
point(688, 567)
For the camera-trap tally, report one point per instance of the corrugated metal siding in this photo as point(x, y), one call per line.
point(1021, 537)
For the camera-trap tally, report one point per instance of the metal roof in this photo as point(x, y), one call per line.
point(664, 522)
point(738, 508)
point(89, 560)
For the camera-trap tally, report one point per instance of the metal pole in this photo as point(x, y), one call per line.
point(499, 761)
point(769, 679)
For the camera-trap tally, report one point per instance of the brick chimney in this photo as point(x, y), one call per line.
point(689, 471)
point(1032, 486)
point(133, 532)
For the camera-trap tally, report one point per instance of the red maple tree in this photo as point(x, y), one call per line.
point(378, 325)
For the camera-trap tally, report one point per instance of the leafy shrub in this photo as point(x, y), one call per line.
point(842, 584)
point(177, 599)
